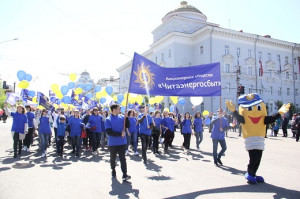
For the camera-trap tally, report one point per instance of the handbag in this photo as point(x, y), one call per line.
point(93, 128)
point(83, 134)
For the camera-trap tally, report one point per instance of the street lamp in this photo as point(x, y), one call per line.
point(9, 40)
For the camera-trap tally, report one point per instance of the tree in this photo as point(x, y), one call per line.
point(2, 97)
point(278, 104)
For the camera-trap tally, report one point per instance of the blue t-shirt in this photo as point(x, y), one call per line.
point(19, 120)
point(102, 126)
point(216, 133)
point(132, 122)
point(143, 125)
point(61, 128)
point(30, 117)
point(169, 123)
point(157, 121)
point(44, 125)
point(115, 123)
point(198, 125)
point(95, 120)
point(186, 127)
point(75, 126)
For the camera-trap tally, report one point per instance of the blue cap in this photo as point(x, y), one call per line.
point(249, 100)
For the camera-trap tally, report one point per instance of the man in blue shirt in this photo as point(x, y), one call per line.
point(146, 123)
point(219, 126)
point(117, 142)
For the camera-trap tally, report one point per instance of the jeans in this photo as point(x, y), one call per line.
point(168, 139)
point(215, 148)
point(254, 162)
point(102, 140)
point(128, 138)
point(120, 150)
point(187, 140)
point(60, 144)
point(76, 143)
point(155, 138)
point(16, 142)
point(44, 141)
point(134, 137)
point(199, 138)
point(145, 143)
point(28, 137)
point(55, 134)
point(96, 138)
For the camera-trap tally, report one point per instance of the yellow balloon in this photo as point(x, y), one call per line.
point(205, 113)
point(139, 99)
point(166, 109)
point(71, 106)
point(55, 106)
point(40, 107)
point(23, 84)
point(54, 88)
point(98, 95)
point(115, 98)
point(104, 93)
point(34, 99)
point(174, 99)
point(76, 97)
point(152, 101)
point(132, 100)
point(72, 77)
point(123, 103)
point(78, 91)
point(125, 95)
point(59, 95)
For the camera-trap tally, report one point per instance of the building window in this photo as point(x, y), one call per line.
point(296, 76)
point(169, 53)
point(162, 56)
point(271, 107)
point(278, 58)
point(201, 50)
point(227, 68)
point(259, 55)
point(156, 60)
point(202, 107)
point(228, 87)
point(249, 53)
point(271, 90)
point(261, 91)
point(296, 92)
point(295, 61)
point(288, 91)
point(238, 51)
point(249, 70)
point(279, 91)
point(251, 89)
point(286, 60)
point(287, 76)
point(269, 57)
point(226, 49)
point(297, 106)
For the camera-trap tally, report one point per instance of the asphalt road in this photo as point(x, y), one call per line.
point(177, 175)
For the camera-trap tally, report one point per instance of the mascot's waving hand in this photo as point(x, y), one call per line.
point(252, 115)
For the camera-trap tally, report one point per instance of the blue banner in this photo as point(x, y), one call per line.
point(43, 102)
point(148, 78)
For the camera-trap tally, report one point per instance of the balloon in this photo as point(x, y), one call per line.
point(181, 101)
point(172, 108)
point(55, 106)
point(174, 99)
point(40, 107)
point(102, 100)
point(72, 77)
point(120, 97)
point(59, 102)
point(151, 109)
point(80, 86)
point(31, 93)
point(78, 91)
point(123, 109)
point(109, 90)
point(28, 77)
point(54, 88)
point(139, 99)
point(23, 84)
point(196, 100)
point(97, 89)
point(99, 95)
point(71, 85)
point(64, 90)
point(89, 95)
point(71, 106)
point(115, 98)
point(21, 75)
point(205, 113)
point(66, 99)
point(166, 109)
point(59, 95)
point(88, 87)
point(152, 101)
point(123, 103)
point(132, 100)
point(158, 99)
point(34, 99)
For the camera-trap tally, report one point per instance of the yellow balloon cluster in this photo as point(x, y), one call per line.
point(205, 113)
point(78, 91)
point(72, 77)
point(23, 84)
point(174, 99)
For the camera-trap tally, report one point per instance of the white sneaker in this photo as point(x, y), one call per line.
point(127, 152)
point(24, 148)
point(136, 153)
point(28, 149)
point(94, 153)
point(45, 152)
point(198, 149)
point(43, 155)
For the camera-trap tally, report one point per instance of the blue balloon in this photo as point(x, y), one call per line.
point(109, 90)
point(28, 77)
point(97, 89)
point(59, 102)
point(71, 85)
point(151, 109)
point(172, 108)
point(130, 106)
point(31, 93)
point(64, 90)
point(88, 87)
point(21, 75)
point(80, 86)
point(66, 99)
point(89, 95)
point(102, 100)
point(120, 97)
point(181, 101)
point(123, 109)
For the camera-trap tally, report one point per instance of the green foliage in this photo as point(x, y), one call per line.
point(2, 97)
point(278, 104)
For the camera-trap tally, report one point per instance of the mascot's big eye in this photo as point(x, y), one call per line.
point(259, 107)
point(249, 108)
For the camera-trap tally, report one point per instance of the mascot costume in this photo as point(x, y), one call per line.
point(252, 115)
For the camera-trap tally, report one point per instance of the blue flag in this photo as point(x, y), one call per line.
point(39, 95)
point(43, 102)
point(148, 78)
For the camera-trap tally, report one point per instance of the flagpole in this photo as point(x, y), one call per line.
point(221, 109)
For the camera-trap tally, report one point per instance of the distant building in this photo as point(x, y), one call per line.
point(185, 38)
point(85, 78)
point(111, 81)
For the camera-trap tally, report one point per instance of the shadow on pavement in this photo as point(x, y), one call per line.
point(160, 178)
point(152, 166)
point(279, 192)
point(122, 190)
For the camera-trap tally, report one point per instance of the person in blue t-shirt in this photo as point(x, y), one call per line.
point(198, 129)
point(44, 131)
point(132, 132)
point(94, 124)
point(186, 131)
point(168, 124)
point(219, 126)
point(145, 121)
point(19, 126)
point(60, 134)
point(156, 131)
point(28, 137)
point(115, 129)
point(76, 127)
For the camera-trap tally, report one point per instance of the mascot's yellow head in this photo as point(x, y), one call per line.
point(254, 111)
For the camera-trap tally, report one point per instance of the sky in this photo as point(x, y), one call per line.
point(59, 37)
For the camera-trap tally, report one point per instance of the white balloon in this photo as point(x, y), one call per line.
point(196, 100)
